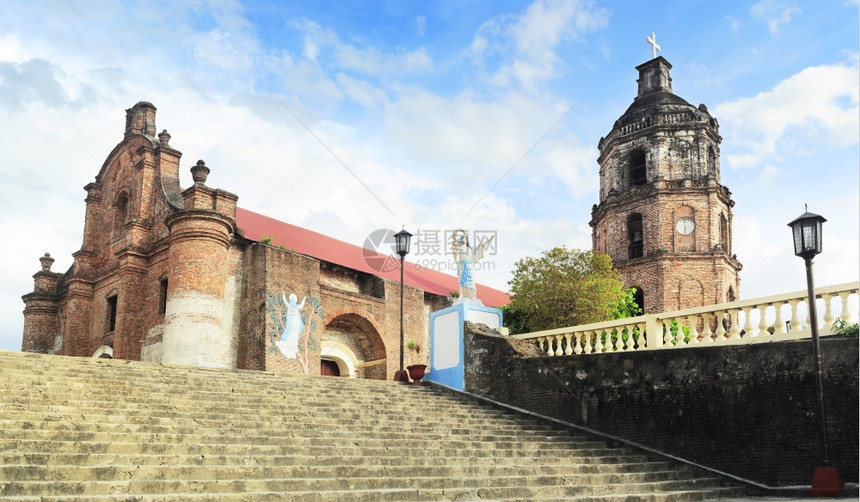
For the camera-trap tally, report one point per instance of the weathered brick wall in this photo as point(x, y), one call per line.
point(745, 410)
point(365, 319)
point(672, 266)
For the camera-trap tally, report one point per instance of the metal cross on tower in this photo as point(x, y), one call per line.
point(654, 47)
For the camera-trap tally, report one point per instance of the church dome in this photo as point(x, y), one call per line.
point(654, 99)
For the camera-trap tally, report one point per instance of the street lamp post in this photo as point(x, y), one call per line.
point(806, 230)
point(401, 246)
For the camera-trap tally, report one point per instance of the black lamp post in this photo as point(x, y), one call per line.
point(401, 246)
point(806, 230)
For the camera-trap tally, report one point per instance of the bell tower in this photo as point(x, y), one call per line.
point(663, 215)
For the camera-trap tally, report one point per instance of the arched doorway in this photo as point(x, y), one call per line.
point(353, 344)
point(329, 367)
point(337, 359)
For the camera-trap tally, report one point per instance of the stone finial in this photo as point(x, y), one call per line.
point(200, 172)
point(46, 262)
point(164, 137)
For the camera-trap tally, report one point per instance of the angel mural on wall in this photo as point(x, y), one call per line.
point(292, 325)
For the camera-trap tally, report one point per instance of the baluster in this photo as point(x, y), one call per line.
point(778, 323)
point(721, 328)
point(748, 325)
point(679, 332)
point(558, 350)
point(667, 335)
point(568, 350)
point(540, 343)
point(707, 334)
point(809, 319)
point(762, 320)
point(828, 313)
point(598, 342)
point(848, 315)
point(694, 331)
point(587, 348)
point(734, 330)
point(577, 347)
point(795, 318)
point(631, 332)
point(619, 340)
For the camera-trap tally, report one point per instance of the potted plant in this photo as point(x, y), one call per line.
point(416, 371)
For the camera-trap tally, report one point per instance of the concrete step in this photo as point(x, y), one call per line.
point(501, 487)
point(274, 435)
point(287, 439)
point(214, 446)
point(622, 463)
point(84, 429)
point(335, 474)
point(399, 495)
point(220, 411)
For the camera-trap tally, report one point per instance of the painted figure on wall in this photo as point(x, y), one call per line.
point(466, 257)
point(293, 328)
point(293, 325)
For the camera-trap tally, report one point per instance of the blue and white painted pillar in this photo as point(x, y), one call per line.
point(447, 352)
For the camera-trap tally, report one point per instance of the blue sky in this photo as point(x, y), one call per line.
point(346, 117)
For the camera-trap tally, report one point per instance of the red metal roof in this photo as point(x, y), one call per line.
point(325, 248)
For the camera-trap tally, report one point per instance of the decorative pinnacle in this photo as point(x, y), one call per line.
point(164, 137)
point(200, 172)
point(46, 262)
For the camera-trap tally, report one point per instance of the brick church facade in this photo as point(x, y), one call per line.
point(663, 215)
point(184, 276)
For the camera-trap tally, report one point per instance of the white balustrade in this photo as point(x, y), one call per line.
point(742, 322)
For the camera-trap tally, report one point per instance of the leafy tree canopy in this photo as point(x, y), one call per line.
point(566, 287)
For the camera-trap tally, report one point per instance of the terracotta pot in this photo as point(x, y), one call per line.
point(416, 372)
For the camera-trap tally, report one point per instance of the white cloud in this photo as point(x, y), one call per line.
point(362, 92)
point(11, 50)
point(528, 42)
point(370, 60)
point(774, 13)
point(821, 102)
point(226, 50)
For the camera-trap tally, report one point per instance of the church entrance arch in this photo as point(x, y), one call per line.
point(355, 346)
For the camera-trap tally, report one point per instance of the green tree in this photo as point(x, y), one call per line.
point(566, 287)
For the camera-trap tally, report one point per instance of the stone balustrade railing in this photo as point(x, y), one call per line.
point(767, 319)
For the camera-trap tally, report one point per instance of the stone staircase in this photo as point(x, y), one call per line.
point(100, 429)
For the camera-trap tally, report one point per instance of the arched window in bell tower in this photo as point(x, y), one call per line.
point(634, 236)
point(638, 171)
point(724, 234)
